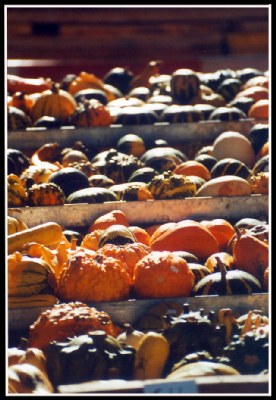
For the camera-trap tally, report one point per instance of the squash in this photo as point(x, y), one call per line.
point(163, 158)
point(17, 83)
point(255, 92)
point(131, 144)
point(91, 113)
point(45, 194)
point(48, 233)
point(234, 145)
point(227, 283)
point(130, 336)
point(169, 185)
point(136, 116)
point(27, 378)
point(17, 194)
point(205, 110)
point(261, 165)
point(91, 94)
point(207, 160)
point(229, 185)
point(116, 234)
point(69, 179)
point(23, 101)
point(199, 271)
point(185, 85)
point(200, 369)
point(258, 136)
point(151, 356)
point(100, 180)
point(92, 195)
point(15, 225)
point(162, 274)
point(91, 356)
point(260, 110)
point(18, 119)
point(243, 103)
point(132, 191)
point(222, 229)
point(143, 174)
point(227, 114)
point(185, 235)
point(247, 73)
point(47, 122)
point(229, 88)
point(115, 217)
point(93, 278)
point(54, 102)
point(180, 113)
point(259, 183)
point(194, 168)
point(17, 161)
point(141, 92)
point(231, 166)
point(29, 275)
point(120, 78)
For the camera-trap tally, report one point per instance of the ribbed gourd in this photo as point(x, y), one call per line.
point(45, 194)
point(185, 85)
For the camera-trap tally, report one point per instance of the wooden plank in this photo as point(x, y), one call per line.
point(148, 212)
point(250, 384)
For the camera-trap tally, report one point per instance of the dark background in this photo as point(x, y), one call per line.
point(53, 41)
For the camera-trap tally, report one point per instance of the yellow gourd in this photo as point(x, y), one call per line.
point(151, 356)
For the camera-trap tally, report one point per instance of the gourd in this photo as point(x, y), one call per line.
point(228, 185)
point(227, 283)
point(47, 122)
point(151, 356)
point(144, 174)
point(243, 103)
point(199, 271)
point(17, 161)
point(132, 191)
point(162, 274)
point(227, 114)
point(200, 369)
point(92, 195)
point(91, 356)
point(93, 278)
point(185, 235)
point(259, 110)
point(247, 73)
point(185, 85)
point(170, 185)
point(194, 168)
point(130, 336)
point(17, 119)
point(131, 144)
point(26, 378)
point(259, 183)
point(229, 88)
point(262, 165)
point(114, 217)
point(29, 276)
point(116, 234)
point(176, 113)
point(17, 83)
point(89, 94)
point(69, 179)
point(54, 102)
point(136, 116)
point(119, 77)
point(45, 194)
point(31, 301)
point(48, 233)
point(231, 166)
point(163, 158)
point(258, 136)
point(15, 225)
point(91, 113)
point(17, 194)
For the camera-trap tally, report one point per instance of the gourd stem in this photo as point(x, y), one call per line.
point(238, 232)
point(222, 268)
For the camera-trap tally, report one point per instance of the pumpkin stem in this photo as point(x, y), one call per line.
point(55, 87)
point(74, 243)
point(222, 268)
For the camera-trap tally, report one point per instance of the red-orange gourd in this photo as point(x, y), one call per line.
point(221, 229)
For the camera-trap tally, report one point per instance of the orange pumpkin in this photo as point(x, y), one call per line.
point(193, 168)
point(96, 278)
point(259, 110)
point(221, 229)
point(129, 254)
point(162, 274)
point(23, 101)
point(152, 228)
point(91, 240)
point(185, 235)
point(141, 235)
point(115, 217)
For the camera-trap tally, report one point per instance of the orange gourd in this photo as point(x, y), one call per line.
point(259, 110)
point(162, 274)
point(141, 235)
point(221, 229)
point(250, 254)
point(185, 235)
point(193, 168)
point(115, 217)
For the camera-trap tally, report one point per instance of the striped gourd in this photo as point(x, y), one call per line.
point(230, 166)
point(35, 300)
point(29, 276)
point(229, 88)
point(185, 85)
point(181, 113)
point(171, 186)
point(227, 114)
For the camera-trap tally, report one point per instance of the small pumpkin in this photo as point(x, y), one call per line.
point(229, 185)
point(92, 195)
point(143, 174)
point(255, 92)
point(176, 113)
point(17, 194)
point(91, 94)
point(212, 263)
point(116, 234)
point(207, 160)
point(259, 110)
point(259, 183)
point(136, 116)
point(69, 179)
point(229, 88)
point(129, 254)
point(54, 102)
point(222, 229)
point(130, 336)
point(73, 156)
point(162, 274)
point(163, 158)
point(227, 114)
point(192, 167)
point(131, 144)
point(247, 73)
point(119, 77)
point(199, 271)
point(15, 225)
point(261, 165)
point(93, 278)
point(23, 101)
point(132, 191)
point(243, 103)
point(258, 136)
point(115, 217)
point(17, 161)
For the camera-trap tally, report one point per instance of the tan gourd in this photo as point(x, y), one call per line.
point(131, 336)
point(151, 356)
